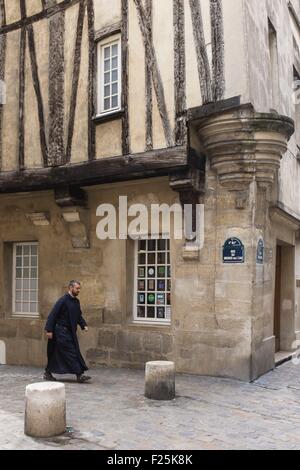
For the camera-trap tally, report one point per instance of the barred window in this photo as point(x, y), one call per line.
point(25, 280)
point(152, 281)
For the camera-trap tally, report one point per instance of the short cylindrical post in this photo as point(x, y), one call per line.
point(45, 409)
point(160, 380)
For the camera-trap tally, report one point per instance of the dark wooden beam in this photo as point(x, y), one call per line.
point(21, 160)
point(125, 82)
point(179, 72)
point(92, 80)
point(156, 76)
point(56, 87)
point(201, 52)
point(3, 42)
point(149, 97)
point(114, 169)
point(37, 88)
point(218, 52)
point(75, 80)
point(200, 112)
point(45, 13)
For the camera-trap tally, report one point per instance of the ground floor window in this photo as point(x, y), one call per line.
point(152, 293)
point(25, 280)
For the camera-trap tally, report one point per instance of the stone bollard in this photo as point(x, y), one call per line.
point(45, 409)
point(160, 380)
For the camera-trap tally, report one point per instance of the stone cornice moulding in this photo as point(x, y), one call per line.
point(244, 146)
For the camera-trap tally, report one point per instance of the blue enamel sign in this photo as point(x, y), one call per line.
point(260, 253)
point(233, 251)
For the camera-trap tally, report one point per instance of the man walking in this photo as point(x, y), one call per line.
point(63, 351)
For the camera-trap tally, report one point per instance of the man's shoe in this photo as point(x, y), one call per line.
point(49, 377)
point(83, 378)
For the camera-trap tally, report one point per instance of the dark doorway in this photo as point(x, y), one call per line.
point(277, 305)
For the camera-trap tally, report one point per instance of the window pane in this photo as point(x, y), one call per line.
point(33, 296)
point(114, 102)
point(141, 312)
point(106, 78)
point(114, 76)
point(107, 91)
point(26, 284)
point(26, 273)
point(19, 261)
point(106, 104)
point(106, 52)
point(161, 271)
point(114, 50)
point(18, 296)
point(26, 307)
point(151, 245)
point(26, 296)
point(33, 273)
point(33, 284)
point(151, 271)
point(33, 307)
point(151, 258)
point(106, 65)
point(114, 63)
point(142, 258)
point(161, 245)
point(161, 258)
point(19, 250)
point(161, 285)
point(26, 261)
point(141, 272)
point(26, 250)
point(18, 284)
point(18, 307)
point(34, 261)
point(34, 250)
point(151, 312)
point(18, 273)
point(161, 312)
point(141, 299)
point(142, 243)
point(114, 89)
point(151, 299)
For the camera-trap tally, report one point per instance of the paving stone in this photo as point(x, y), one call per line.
point(112, 413)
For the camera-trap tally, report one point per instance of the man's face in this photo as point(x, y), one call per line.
point(75, 290)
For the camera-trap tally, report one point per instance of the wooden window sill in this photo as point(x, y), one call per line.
point(101, 118)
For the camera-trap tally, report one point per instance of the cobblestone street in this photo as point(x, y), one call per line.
point(111, 413)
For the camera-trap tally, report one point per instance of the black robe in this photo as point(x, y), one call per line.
point(63, 351)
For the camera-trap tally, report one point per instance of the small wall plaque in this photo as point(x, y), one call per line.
point(233, 251)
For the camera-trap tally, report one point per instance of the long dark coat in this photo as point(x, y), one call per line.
point(63, 351)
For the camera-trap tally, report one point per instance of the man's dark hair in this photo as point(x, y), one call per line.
point(73, 283)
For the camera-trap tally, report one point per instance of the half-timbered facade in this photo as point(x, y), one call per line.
point(162, 101)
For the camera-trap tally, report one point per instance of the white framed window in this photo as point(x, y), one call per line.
point(25, 280)
point(152, 283)
point(109, 75)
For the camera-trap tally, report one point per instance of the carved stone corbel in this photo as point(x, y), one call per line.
point(72, 201)
point(244, 146)
point(39, 219)
point(189, 184)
